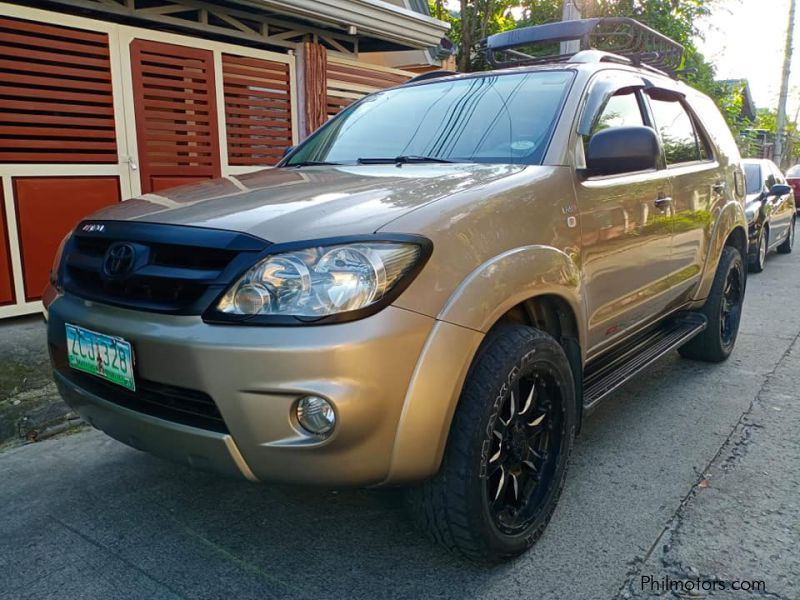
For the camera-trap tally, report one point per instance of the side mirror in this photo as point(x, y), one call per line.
point(779, 189)
point(622, 150)
point(287, 151)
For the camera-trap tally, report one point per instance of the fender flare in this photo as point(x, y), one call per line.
point(731, 217)
point(474, 307)
point(510, 278)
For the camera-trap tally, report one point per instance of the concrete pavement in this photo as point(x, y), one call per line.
point(85, 517)
point(28, 396)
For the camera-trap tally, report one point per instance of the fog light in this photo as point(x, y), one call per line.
point(316, 415)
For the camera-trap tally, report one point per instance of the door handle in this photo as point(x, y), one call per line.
point(719, 186)
point(132, 163)
point(663, 201)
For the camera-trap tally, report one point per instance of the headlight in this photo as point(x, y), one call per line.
point(322, 281)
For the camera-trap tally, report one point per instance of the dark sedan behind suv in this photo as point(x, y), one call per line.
point(770, 211)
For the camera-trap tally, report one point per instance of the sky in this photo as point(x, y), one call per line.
point(745, 39)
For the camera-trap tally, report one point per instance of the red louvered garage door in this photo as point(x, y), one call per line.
point(56, 108)
point(258, 110)
point(176, 114)
point(56, 104)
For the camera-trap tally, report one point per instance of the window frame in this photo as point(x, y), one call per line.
point(607, 84)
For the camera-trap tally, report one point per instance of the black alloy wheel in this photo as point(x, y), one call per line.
point(731, 311)
point(722, 309)
point(525, 438)
point(507, 452)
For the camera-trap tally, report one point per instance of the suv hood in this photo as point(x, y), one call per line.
point(291, 204)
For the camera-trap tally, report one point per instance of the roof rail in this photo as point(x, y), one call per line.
point(621, 38)
point(430, 75)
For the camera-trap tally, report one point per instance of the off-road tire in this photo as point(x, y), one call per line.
point(788, 243)
point(710, 346)
point(758, 261)
point(452, 507)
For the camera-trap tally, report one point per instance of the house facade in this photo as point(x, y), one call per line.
point(103, 100)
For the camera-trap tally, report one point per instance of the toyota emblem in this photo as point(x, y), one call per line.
point(119, 260)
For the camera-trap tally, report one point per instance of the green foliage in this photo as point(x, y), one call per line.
point(675, 18)
point(767, 119)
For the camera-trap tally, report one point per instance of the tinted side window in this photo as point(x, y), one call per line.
point(621, 110)
point(703, 147)
point(714, 124)
point(677, 131)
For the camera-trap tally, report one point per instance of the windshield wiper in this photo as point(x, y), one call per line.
point(312, 163)
point(403, 160)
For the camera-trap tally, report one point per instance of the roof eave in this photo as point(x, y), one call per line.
point(371, 18)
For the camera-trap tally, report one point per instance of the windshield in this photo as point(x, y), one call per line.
point(504, 118)
point(752, 173)
point(793, 171)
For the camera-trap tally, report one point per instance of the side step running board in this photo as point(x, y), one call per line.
point(609, 372)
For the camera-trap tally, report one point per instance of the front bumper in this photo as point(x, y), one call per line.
point(206, 450)
point(255, 375)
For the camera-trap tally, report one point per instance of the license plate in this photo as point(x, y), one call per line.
point(104, 356)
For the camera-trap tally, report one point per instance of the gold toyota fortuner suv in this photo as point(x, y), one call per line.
point(431, 291)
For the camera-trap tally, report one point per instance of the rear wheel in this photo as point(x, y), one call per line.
point(788, 243)
point(723, 309)
point(507, 452)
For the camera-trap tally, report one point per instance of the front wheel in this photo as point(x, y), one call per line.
point(723, 309)
point(506, 456)
point(788, 243)
point(759, 259)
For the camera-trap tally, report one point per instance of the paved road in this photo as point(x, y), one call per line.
point(85, 517)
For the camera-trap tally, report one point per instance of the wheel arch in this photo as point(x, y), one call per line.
point(738, 239)
point(545, 286)
point(730, 229)
point(506, 282)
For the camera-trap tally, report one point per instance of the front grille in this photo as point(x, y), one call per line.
point(168, 402)
point(177, 269)
point(141, 292)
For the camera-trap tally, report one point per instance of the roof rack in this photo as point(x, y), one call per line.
point(618, 38)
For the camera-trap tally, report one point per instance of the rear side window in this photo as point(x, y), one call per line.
point(680, 138)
